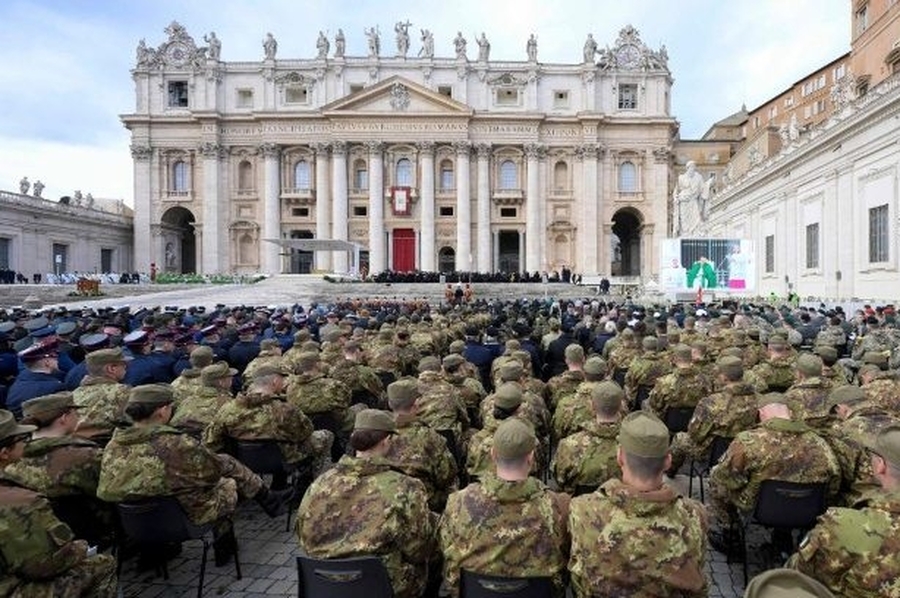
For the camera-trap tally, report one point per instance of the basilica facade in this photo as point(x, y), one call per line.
point(422, 162)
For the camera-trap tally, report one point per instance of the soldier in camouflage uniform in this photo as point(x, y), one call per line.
point(199, 406)
point(364, 384)
point(533, 407)
point(470, 389)
point(190, 378)
point(324, 400)
point(854, 551)
point(882, 386)
point(684, 386)
point(39, 555)
point(777, 371)
point(807, 397)
point(511, 346)
point(833, 335)
point(507, 403)
point(384, 358)
point(269, 353)
point(643, 373)
point(620, 357)
point(876, 339)
point(290, 356)
point(509, 523)
point(778, 449)
point(564, 384)
point(417, 450)
point(365, 507)
point(101, 396)
point(588, 458)
point(636, 536)
point(575, 409)
point(725, 413)
point(831, 372)
point(440, 405)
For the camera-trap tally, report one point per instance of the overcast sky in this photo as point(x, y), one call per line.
point(64, 64)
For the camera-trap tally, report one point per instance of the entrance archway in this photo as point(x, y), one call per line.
point(626, 243)
point(180, 246)
point(446, 260)
point(509, 258)
point(301, 261)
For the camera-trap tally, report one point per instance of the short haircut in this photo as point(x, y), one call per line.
point(364, 440)
point(644, 468)
point(141, 411)
point(500, 413)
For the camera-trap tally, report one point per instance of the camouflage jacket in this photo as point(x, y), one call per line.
point(62, 466)
point(363, 506)
point(532, 409)
point(848, 439)
point(833, 336)
point(440, 404)
point(682, 387)
point(778, 374)
point(478, 457)
point(102, 401)
point(497, 527)
point(835, 375)
point(588, 457)
point(364, 384)
point(259, 361)
point(420, 452)
point(643, 373)
point(198, 408)
point(261, 417)
point(621, 356)
point(884, 391)
point(471, 391)
point(779, 449)
point(637, 544)
point(807, 399)
point(877, 340)
point(563, 385)
point(187, 381)
point(314, 393)
point(725, 414)
point(157, 460)
point(573, 411)
point(854, 551)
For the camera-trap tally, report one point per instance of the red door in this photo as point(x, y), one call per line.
point(404, 250)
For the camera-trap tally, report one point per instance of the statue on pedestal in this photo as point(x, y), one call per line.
point(459, 44)
point(531, 48)
point(427, 49)
point(24, 185)
point(691, 193)
point(339, 44)
point(270, 46)
point(590, 48)
point(374, 40)
point(215, 46)
point(484, 48)
point(402, 31)
point(322, 45)
point(38, 188)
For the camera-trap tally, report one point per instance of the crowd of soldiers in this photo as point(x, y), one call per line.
point(510, 438)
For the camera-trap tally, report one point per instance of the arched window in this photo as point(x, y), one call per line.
point(360, 175)
point(179, 177)
point(509, 175)
point(627, 177)
point(245, 176)
point(301, 175)
point(404, 176)
point(446, 181)
point(561, 176)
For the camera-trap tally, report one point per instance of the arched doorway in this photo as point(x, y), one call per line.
point(301, 261)
point(446, 260)
point(626, 243)
point(180, 245)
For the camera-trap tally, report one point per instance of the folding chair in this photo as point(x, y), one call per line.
point(361, 577)
point(478, 585)
point(89, 518)
point(718, 447)
point(677, 419)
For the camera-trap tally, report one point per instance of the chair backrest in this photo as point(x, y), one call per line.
point(88, 517)
point(361, 577)
point(158, 520)
point(678, 418)
point(478, 585)
point(789, 504)
point(585, 489)
point(718, 447)
point(261, 456)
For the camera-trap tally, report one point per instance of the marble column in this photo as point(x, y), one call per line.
point(463, 208)
point(426, 193)
point(587, 221)
point(484, 207)
point(142, 256)
point(271, 252)
point(212, 214)
point(339, 220)
point(323, 206)
point(532, 210)
point(377, 261)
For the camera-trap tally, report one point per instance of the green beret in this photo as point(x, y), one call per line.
point(785, 583)
point(47, 408)
point(514, 439)
point(269, 369)
point(403, 393)
point(809, 364)
point(644, 435)
point(878, 358)
point(650, 343)
point(607, 395)
point(732, 367)
point(9, 427)
point(429, 363)
point(511, 370)
point(827, 353)
point(151, 394)
point(202, 356)
point(682, 352)
point(453, 360)
point(845, 395)
point(595, 366)
point(375, 419)
point(575, 353)
point(106, 357)
point(508, 397)
point(216, 371)
point(886, 444)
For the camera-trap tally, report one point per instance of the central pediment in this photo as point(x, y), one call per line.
point(398, 97)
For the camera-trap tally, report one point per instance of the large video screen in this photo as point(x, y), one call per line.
point(711, 263)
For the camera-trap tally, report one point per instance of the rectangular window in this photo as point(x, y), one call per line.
point(878, 234)
point(508, 212)
point(178, 94)
point(770, 254)
point(446, 211)
point(838, 72)
point(300, 212)
point(245, 98)
point(773, 112)
point(507, 97)
point(862, 19)
point(296, 95)
point(807, 111)
point(4, 253)
point(446, 183)
point(354, 87)
point(627, 96)
point(445, 90)
point(361, 179)
point(361, 211)
point(788, 101)
point(106, 257)
point(812, 245)
point(60, 258)
point(560, 99)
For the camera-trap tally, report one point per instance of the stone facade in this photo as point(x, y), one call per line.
point(428, 163)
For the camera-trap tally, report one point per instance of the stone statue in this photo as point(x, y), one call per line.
point(691, 193)
point(374, 41)
point(785, 136)
point(793, 128)
point(402, 31)
point(145, 56)
point(459, 44)
point(38, 188)
point(484, 48)
point(590, 48)
point(340, 43)
point(427, 49)
point(322, 45)
point(531, 48)
point(24, 185)
point(270, 46)
point(170, 255)
point(215, 46)
point(89, 200)
point(607, 59)
point(77, 197)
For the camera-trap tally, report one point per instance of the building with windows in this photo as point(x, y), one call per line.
point(461, 163)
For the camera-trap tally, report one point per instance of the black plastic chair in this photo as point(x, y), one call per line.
point(453, 446)
point(361, 577)
point(478, 585)
point(718, 447)
point(88, 517)
point(678, 418)
point(156, 522)
point(784, 506)
point(585, 489)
